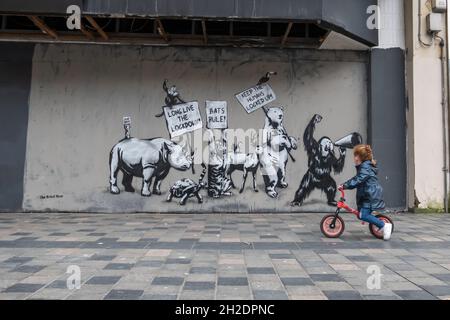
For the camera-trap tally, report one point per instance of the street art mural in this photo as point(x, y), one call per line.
point(272, 148)
point(276, 151)
point(321, 162)
point(147, 159)
point(185, 189)
point(172, 97)
point(122, 165)
point(247, 163)
point(219, 184)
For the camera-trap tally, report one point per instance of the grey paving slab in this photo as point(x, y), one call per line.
point(28, 268)
point(260, 270)
point(437, 291)
point(203, 270)
point(281, 256)
point(326, 277)
point(169, 281)
point(414, 295)
point(232, 281)
point(159, 297)
point(119, 266)
point(103, 280)
point(270, 295)
point(124, 295)
point(57, 284)
point(343, 295)
point(97, 257)
point(23, 287)
point(199, 285)
point(18, 260)
point(296, 281)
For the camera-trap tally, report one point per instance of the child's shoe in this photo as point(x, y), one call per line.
point(387, 231)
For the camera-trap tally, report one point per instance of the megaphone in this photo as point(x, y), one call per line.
point(350, 141)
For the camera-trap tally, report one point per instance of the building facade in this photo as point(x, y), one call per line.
point(113, 115)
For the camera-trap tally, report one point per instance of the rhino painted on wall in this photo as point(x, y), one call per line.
point(146, 159)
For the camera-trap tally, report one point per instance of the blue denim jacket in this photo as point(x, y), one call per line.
point(369, 192)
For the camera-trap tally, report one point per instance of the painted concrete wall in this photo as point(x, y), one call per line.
point(425, 129)
point(15, 80)
point(80, 94)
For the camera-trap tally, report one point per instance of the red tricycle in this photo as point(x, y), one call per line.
point(332, 226)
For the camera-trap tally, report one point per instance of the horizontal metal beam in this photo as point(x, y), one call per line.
point(155, 40)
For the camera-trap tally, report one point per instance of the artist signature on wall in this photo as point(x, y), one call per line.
point(51, 196)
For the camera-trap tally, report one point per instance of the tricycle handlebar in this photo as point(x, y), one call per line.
point(341, 190)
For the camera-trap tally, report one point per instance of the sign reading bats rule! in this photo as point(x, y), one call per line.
point(216, 115)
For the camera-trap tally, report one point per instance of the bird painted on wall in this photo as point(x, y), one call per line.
point(266, 78)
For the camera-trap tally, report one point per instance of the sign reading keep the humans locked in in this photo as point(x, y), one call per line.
point(216, 115)
point(257, 97)
point(183, 118)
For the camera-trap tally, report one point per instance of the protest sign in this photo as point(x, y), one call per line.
point(257, 97)
point(183, 118)
point(216, 115)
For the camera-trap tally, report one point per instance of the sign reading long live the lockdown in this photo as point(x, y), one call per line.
point(257, 97)
point(183, 118)
point(216, 115)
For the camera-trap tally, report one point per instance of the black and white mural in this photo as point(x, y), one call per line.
point(147, 159)
point(172, 97)
point(143, 134)
point(219, 184)
point(186, 188)
point(276, 151)
point(322, 161)
point(244, 162)
point(272, 150)
point(153, 158)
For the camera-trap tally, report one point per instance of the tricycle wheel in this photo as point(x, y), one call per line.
point(328, 231)
point(375, 231)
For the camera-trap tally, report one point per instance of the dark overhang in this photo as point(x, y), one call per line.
point(291, 23)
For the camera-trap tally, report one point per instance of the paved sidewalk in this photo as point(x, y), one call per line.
point(147, 256)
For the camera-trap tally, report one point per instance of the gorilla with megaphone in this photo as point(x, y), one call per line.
point(322, 161)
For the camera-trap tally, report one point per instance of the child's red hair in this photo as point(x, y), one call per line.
point(365, 153)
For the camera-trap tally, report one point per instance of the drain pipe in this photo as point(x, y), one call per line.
point(447, 107)
point(444, 118)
